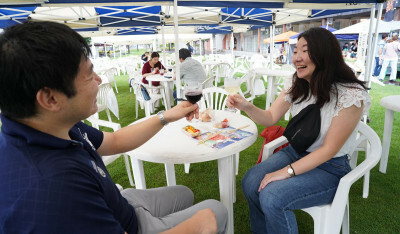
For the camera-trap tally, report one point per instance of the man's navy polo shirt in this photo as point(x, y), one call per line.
point(51, 185)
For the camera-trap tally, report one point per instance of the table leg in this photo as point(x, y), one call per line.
point(270, 85)
point(387, 134)
point(138, 173)
point(226, 175)
point(166, 96)
point(170, 174)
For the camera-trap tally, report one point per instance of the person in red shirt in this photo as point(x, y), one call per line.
point(147, 68)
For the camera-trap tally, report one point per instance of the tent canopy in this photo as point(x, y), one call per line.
point(283, 37)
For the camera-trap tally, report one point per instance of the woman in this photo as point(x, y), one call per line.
point(289, 180)
point(390, 57)
point(152, 67)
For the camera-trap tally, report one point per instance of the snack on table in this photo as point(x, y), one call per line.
point(191, 131)
point(223, 124)
point(206, 115)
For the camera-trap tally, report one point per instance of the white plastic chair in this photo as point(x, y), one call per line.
point(148, 105)
point(221, 70)
point(331, 217)
point(102, 99)
point(110, 73)
point(96, 123)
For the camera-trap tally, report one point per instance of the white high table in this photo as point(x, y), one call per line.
point(271, 76)
point(165, 83)
point(172, 146)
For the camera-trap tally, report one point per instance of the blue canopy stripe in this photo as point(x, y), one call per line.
point(129, 16)
point(15, 15)
point(252, 16)
point(234, 4)
point(350, 2)
point(137, 31)
point(86, 29)
point(327, 13)
point(102, 1)
point(220, 29)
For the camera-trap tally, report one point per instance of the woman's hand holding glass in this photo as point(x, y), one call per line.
point(232, 86)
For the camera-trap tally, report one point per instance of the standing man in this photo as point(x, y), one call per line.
point(379, 54)
point(52, 177)
point(190, 48)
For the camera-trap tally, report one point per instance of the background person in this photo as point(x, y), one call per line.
point(290, 180)
point(379, 54)
point(47, 87)
point(390, 57)
point(190, 48)
point(152, 67)
point(191, 70)
point(145, 57)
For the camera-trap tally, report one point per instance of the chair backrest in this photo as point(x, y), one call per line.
point(214, 98)
point(102, 96)
point(335, 212)
point(109, 73)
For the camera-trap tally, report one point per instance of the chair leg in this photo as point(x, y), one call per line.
point(366, 185)
point(346, 220)
point(128, 170)
point(108, 115)
point(136, 107)
point(187, 167)
point(115, 83)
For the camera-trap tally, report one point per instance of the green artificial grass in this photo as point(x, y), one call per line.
point(379, 213)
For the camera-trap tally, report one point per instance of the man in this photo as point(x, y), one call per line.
point(190, 69)
point(190, 48)
point(145, 57)
point(345, 46)
point(52, 178)
point(379, 54)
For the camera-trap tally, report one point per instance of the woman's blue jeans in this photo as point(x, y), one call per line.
point(271, 210)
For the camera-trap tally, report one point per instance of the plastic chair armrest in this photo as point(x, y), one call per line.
point(271, 146)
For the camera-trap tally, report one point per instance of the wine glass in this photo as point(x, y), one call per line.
point(193, 91)
point(232, 86)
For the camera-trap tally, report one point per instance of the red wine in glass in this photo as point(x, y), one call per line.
point(193, 96)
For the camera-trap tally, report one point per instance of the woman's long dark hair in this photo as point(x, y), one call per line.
point(330, 68)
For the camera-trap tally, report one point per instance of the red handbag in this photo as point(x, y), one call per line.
point(270, 134)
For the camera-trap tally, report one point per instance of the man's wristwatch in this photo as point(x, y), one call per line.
point(290, 170)
point(162, 118)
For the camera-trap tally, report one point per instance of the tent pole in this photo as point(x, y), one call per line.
point(163, 42)
point(177, 68)
point(371, 53)
point(113, 47)
point(232, 44)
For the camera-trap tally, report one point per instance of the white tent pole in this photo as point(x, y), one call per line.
point(177, 68)
point(113, 47)
point(371, 54)
point(163, 43)
point(212, 44)
point(201, 48)
point(232, 43)
point(120, 51)
point(93, 49)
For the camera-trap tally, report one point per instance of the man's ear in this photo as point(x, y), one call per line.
point(49, 99)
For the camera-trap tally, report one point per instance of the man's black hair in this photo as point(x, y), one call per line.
point(35, 55)
point(184, 53)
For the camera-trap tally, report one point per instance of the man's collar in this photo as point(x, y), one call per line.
point(30, 135)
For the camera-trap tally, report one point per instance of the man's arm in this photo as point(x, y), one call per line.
point(133, 136)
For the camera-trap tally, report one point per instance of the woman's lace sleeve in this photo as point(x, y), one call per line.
point(287, 84)
point(352, 96)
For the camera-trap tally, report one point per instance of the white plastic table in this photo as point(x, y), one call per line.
point(391, 104)
point(271, 76)
point(172, 146)
point(165, 83)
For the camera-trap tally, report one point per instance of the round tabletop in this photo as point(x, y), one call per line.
point(172, 145)
point(158, 77)
point(391, 102)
